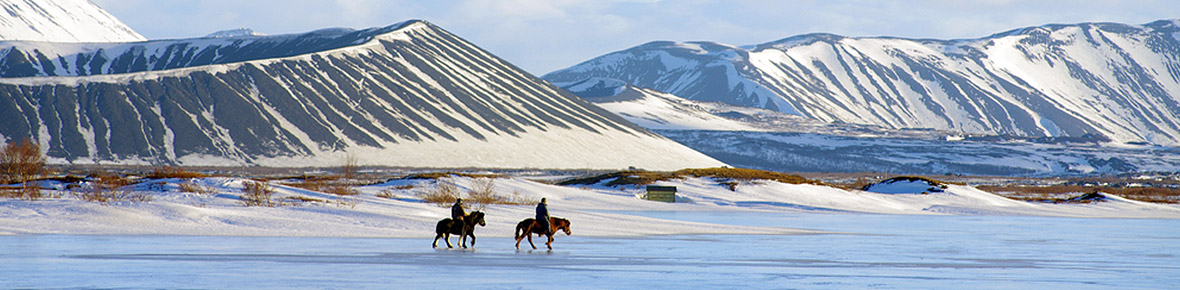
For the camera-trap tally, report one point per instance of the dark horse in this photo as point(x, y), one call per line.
point(447, 227)
point(529, 226)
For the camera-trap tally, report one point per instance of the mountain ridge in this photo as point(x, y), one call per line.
point(413, 96)
point(1043, 81)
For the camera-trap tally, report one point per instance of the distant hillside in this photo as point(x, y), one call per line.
point(1098, 81)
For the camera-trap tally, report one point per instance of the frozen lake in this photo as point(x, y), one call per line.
point(876, 252)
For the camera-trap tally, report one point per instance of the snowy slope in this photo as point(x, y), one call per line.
point(1102, 81)
point(657, 110)
point(61, 21)
point(593, 210)
point(410, 94)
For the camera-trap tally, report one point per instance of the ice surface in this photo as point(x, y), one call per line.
point(873, 252)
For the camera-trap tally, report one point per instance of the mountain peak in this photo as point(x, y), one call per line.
point(62, 21)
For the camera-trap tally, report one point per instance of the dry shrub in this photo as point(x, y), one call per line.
point(27, 191)
point(341, 190)
point(257, 193)
point(443, 194)
point(311, 183)
point(174, 172)
point(349, 168)
point(346, 202)
point(483, 193)
point(388, 193)
point(108, 189)
point(20, 162)
point(189, 186)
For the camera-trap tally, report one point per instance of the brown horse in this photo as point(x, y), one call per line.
point(529, 226)
point(447, 227)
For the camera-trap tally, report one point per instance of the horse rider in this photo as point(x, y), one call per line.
point(543, 216)
point(457, 215)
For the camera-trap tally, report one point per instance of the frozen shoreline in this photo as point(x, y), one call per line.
point(594, 210)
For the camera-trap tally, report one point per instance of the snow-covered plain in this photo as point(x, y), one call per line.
point(763, 234)
point(593, 210)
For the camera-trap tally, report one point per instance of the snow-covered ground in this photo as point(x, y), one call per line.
point(594, 210)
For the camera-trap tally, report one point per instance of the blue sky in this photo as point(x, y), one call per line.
point(545, 35)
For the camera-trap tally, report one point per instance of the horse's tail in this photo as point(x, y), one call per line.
point(519, 229)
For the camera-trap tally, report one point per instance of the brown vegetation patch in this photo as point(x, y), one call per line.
point(640, 178)
point(27, 191)
point(173, 172)
point(1039, 193)
point(437, 175)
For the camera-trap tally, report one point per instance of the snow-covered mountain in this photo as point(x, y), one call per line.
point(61, 21)
point(411, 94)
point(763, 139)
point(1102, 81)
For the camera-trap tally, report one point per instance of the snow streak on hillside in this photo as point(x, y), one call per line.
point(1102, 81)
point(409, 95)
point(61, 21)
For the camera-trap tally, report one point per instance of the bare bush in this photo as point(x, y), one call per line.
point(349, 168)
point(387, 193)
point(341, 190)
point(443, 194)
point(257, 193)
point(483, 193)
point(20, 162)
point(108, 189)
point(193, 187)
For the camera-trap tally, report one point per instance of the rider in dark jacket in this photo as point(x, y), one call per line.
point(543, 216)
point(457, 213)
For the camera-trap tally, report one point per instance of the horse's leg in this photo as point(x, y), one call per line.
point(463, 238)
point(447, 237)
point(472, 234)
point(550, 242)
point(435, 244)
point(531, 241)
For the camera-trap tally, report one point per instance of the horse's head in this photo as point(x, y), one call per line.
point(477, 217)
point(563, 224)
